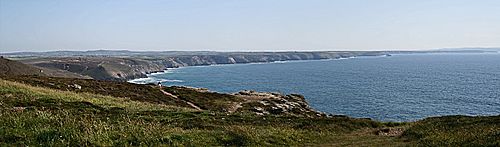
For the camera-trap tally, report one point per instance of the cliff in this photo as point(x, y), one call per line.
point(259, 103)
point(16, 68)
point(130, 67)
point(268, 103)
point(257, 57)
point(100, 68)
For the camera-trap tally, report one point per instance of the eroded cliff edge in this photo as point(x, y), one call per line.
point(122, 68)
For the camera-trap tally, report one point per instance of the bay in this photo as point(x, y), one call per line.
point(402, 87)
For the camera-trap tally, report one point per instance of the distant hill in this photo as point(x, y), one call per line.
point(13, 68)
point(113, 53)
point(99, 68)
point(120, 68)
point(156, 54)
point(16, 68)
point(470, 48)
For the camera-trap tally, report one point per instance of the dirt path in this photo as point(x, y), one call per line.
point(174, 96)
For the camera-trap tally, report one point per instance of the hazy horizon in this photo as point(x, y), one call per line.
point(208, 50)
point(249, 26)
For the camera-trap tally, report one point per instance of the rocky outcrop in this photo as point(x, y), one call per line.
point(260, 103)
point(267, 103)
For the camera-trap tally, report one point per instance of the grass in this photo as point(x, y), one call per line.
point(205, 100)
point(20, 95)
point(116, 89)
point(456, 131)
point(41, 116)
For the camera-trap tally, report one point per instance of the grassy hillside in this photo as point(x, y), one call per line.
point(48, 115)
point(15, 68)
point(456, 131)
point(40, 116)
point(182, 96)
point(100, 68)
point(9, 67)
point(143, 93)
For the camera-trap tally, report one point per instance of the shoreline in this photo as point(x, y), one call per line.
point(150, 80)
point(236, 88)
point(148, 75)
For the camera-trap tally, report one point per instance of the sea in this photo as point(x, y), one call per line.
point(401, 87)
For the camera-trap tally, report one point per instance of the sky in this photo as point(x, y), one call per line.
point(247, 25)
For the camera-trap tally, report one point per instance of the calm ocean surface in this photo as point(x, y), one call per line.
point(395, 88)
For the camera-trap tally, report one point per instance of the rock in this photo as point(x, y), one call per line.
point(263, 103)
point(390, 132)
point(76, 86)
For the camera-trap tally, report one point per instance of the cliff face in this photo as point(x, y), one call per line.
point(126, 68)
point(115, 69)
point(267, 103)
point(15, 68)
point(234, 58)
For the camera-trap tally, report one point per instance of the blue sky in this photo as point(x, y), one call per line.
point(248, 25)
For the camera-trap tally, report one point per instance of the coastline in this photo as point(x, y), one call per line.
point(146, 108)
point(235, 84)
point(149, 79)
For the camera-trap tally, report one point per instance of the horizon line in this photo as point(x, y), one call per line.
point(239, 50)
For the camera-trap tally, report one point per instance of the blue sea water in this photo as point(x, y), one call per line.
point(402, 87)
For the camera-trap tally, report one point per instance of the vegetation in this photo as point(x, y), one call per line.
point(40, 116)
point(15, 68)
point(9, 67)
point(143, 93)
point(205, 100)
point(456, 131)
point(54, 115)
